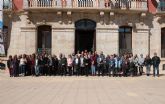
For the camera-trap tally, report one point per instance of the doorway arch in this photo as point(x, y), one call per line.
point(44, 39)
point(85, 35)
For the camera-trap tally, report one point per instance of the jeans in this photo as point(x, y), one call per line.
point(148, 68)
point(37, 70)
point(93, 69)
point(156, 70)
point(23, 69)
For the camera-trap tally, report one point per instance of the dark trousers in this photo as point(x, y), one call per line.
point(87, 70)
point(107, 69)
point(50, 70)
point(70, 70)
point(116, 71)
point(45, 70)
point(63, 70)
point(76, 70)
point(101, 69)
point(140, 70)
point(125, 71)
point(82, 70)
point(135, 70)
point(32, 70)
point(23, 69)
point(11, 72)
point(55, 70)
point(41, 70)
point(110, 71)
point(15, 72)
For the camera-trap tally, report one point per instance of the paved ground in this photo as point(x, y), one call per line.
point(81, 90)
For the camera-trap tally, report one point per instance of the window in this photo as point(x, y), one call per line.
point(125, 39)
point(163, 42)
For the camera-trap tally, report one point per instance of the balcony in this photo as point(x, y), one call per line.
point(161, 6)
point(7, 5)
point(134, 5)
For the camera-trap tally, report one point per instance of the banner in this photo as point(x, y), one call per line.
point(2, 49)
point(1, 21)
point(1, 18)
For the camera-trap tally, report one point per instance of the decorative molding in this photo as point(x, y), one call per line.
point(28, 29)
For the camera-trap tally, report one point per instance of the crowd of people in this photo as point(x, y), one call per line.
point(82, 64)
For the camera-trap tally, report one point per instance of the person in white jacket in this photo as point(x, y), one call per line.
point(141, 64)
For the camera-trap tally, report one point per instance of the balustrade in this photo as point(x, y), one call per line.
point(99, 4)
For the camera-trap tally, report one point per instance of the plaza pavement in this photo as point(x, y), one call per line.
point(81, 90)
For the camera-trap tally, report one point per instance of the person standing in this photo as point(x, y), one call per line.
point(55, 65)
point(93, 65)
point(45, 63)
point(23, 62)
point(50, 65)
point(69, 65)
point(76, 64)
point(87, 64)
point(15, 66)
point(82, 64)
point(107, 59)
point(135, 60)
point(147, 63)
point(155, 62)
point(141, 64)
point(111, 65)
point(125, 65)
point(100, 64)
point(32, 64)
point(63, 65)
point(10, 66)
point(118, 63)
point(37, 65)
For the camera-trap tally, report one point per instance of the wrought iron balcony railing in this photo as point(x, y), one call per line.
point(7, 4)
point(161, 6)
point(93, 4)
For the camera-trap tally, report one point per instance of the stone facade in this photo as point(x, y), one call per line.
point(146, 31)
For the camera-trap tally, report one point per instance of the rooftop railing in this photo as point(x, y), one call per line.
point(95, 4)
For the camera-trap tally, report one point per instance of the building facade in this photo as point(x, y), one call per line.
point(68, 26)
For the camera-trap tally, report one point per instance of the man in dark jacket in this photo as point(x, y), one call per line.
point(55, 65)
point(155, 62)
point(76, 64)
point(63, 63)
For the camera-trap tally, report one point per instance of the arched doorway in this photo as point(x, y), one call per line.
point(85, 35)
point(44, 39)
point(163, 42)
point(125, 39)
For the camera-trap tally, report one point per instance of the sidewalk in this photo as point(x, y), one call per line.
point(81, 90)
